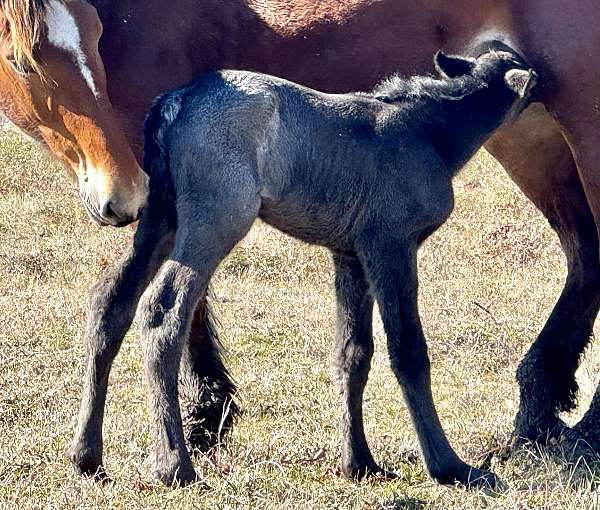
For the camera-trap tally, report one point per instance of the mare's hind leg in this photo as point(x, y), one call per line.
point(113, 301)
point(204, 237)
point(582, 129)
point(548, 176)
point(391, 268)
point(352, 355)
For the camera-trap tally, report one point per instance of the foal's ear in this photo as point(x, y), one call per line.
point(521, 81)
point(452, 66)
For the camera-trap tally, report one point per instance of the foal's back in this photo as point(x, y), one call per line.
point(316, 161)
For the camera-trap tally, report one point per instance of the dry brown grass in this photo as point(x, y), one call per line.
point(488, 281)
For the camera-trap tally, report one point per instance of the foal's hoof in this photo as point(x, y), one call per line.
point(176, 473)
point(87, 462)
point(470, 477)
point(369, 471)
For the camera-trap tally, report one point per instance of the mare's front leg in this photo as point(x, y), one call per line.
point(549, 178)
point(113, 302)
point(352, 355)
point(391, 268)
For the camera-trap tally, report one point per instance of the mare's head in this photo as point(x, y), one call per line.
point(53, 87)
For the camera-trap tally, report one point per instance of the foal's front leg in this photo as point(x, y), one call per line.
point(352, 355)
point(113, 301)
point(391, 268)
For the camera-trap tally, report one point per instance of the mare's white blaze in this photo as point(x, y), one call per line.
point(493, 34)
point(63, 33)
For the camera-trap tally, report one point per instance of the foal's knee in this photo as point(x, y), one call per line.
point(161, 316)
point(109, 312)
point(356, 354)
point(157, 305)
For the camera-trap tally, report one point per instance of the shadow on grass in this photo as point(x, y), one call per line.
point(573, 463)
point(405, 503)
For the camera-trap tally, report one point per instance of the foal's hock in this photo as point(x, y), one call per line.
point(367, 175)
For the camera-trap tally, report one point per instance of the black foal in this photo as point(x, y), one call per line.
point(368, 175)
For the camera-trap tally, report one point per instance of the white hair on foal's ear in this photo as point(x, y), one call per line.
point(521, 81)
point(63, 33)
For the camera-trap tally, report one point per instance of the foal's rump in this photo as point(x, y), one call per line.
point(220, 121)
point(232, 137)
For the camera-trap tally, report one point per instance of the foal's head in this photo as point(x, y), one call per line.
point(503, 74)
point(53, 87)
point(497, 70)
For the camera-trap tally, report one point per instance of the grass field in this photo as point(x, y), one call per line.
point(489, 279)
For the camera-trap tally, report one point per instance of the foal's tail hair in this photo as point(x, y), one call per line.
point(161, 115)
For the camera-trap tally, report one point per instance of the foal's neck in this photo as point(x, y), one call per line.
point(459, 128)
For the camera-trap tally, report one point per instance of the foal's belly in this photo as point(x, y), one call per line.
point(322, 224)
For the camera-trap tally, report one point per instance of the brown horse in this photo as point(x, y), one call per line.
point(85, 98)
point(54, 87)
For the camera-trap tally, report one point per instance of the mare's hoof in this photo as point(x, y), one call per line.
point(87, 462)
point(175, 473)
point(543, 435)
point(481, 479)
point(205, 426)
point(571, 443)
point(575, 446)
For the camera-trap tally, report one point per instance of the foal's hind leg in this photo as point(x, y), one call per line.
point(166, 314)
point(391, 268)
point(113, 301)
point(203, 239)
point(352, 355)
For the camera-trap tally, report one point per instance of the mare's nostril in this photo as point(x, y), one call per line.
point(107, 211)
point(111, 215)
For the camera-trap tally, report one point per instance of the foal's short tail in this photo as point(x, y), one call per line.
point(161, 115)
point(206, 390)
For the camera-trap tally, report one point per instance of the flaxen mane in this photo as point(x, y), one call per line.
point(23, 26)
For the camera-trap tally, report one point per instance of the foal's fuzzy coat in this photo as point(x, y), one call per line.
point(366, 175)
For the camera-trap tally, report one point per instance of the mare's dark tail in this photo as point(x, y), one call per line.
point(206, 389)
